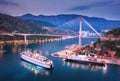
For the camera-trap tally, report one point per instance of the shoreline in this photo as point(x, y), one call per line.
point(30, 41)
point(64, 54)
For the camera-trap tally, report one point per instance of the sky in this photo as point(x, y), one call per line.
point(108, 9)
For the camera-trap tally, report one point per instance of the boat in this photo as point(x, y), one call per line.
point(84, 58)
point(37, 59)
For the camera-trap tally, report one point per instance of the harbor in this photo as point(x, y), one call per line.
point(66, 40)
point(62, 69)
point(96, 60)
point(77, 52)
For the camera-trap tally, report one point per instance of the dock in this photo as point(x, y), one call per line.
point(62, 54)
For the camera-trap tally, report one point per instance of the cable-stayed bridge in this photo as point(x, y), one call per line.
point(85, 31)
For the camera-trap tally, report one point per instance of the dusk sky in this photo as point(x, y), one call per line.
point(109, 9)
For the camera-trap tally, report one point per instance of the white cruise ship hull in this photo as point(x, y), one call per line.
point(36, 62)
point(77, 58)
point(82, 59)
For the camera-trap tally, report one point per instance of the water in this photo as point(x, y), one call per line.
point(12, 68)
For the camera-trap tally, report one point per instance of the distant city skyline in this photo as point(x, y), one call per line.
point(108, 9)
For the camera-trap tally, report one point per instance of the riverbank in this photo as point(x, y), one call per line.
point(30, 41)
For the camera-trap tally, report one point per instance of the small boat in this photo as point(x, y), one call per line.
point(36, 59)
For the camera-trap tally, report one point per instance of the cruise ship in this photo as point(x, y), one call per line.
point(84, 58)
point(36, 59)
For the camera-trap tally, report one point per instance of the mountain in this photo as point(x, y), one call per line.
point(115, 32)
point(70, 22)
point(51, 21)
point(10, 24)
point(110, 44)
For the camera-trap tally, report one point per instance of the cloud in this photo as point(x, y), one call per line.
point(81, 8)
point(5, 2)
point(92, 5)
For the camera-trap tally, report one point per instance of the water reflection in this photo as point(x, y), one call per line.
point(105, 69)
point(46, 53)
point(86, 66)
point(14, 49)
point(1, 51)
point(17, 48)
point(35, 69)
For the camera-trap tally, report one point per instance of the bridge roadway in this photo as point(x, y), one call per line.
point(27, 34)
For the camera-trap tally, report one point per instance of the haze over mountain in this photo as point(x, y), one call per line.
point(70, 21)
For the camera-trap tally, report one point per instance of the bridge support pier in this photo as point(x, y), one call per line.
point(25, 39)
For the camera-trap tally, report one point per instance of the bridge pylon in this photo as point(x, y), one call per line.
point(88, 31)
